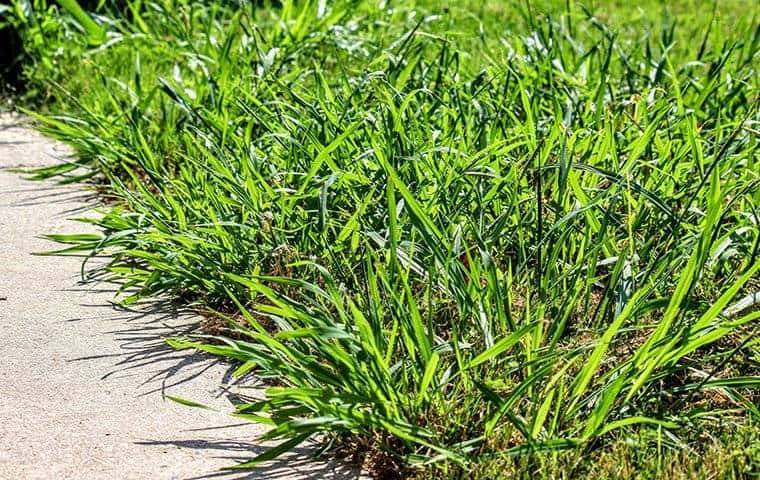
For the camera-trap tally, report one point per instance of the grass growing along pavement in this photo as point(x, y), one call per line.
point(502, 237)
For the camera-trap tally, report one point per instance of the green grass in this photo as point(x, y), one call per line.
point(497, 237)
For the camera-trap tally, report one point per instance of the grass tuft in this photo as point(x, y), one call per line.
point(456, 242)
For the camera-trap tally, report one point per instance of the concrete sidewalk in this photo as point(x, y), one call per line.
point(80, 382)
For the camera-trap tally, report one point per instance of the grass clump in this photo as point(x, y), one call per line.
point(456, 241)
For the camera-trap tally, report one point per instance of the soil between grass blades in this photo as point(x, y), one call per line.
point(81, 382)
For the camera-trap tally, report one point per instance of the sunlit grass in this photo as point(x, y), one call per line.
point(446, 236)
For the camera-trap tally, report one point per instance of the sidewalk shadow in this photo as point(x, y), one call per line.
point(141, 333)
point(153, 367)
point(298, 462)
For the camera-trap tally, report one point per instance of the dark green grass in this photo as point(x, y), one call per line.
point(455, 240)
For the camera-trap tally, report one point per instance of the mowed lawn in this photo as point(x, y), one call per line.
point(477, 239)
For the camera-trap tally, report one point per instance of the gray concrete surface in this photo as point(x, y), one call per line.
point(80, 382)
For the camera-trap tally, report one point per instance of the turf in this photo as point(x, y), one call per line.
point(498, 236)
